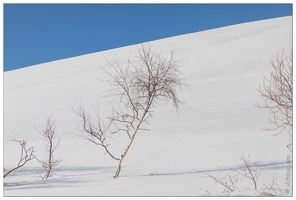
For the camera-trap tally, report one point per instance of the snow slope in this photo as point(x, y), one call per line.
point(223, 68)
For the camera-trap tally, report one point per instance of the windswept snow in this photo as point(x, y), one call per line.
point(223, 68)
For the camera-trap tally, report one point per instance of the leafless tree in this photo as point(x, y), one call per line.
point(250, 172)
point(49, 135)
point(26, 156)
point(136, 85)
point(277, 92)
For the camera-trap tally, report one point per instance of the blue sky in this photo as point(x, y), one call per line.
point(38, 33)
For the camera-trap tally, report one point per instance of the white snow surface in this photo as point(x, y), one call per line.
point(223, 68)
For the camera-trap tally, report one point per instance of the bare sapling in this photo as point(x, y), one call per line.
point(49, 135)
point(249, 172)
point(25, 157)
point(136, 85)
point(277, 93)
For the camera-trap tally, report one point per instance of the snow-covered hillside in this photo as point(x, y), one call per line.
point(223, 68)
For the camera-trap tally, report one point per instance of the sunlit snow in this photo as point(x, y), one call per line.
point(223, 68)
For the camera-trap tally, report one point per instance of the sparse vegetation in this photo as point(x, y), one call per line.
point(233, 181)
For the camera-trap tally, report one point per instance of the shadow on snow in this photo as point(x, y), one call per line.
point(62, 177)
point(265, 166)
point(70, 176)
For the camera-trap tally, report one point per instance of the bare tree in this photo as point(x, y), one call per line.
point(26, 156)
point(249, 172)
point(49, 135)
point(277, 92)
point(136, 86)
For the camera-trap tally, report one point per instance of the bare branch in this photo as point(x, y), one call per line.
point(249, 172)
point(273, 186)
point(26, 156)
point(277, 93)
point(207, 191)
point(97, 133)
point(227, 182)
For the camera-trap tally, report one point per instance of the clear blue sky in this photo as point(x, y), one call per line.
point(38, 33)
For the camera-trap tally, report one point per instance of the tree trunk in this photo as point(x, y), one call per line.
point(50, 151)
point(118, 168)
